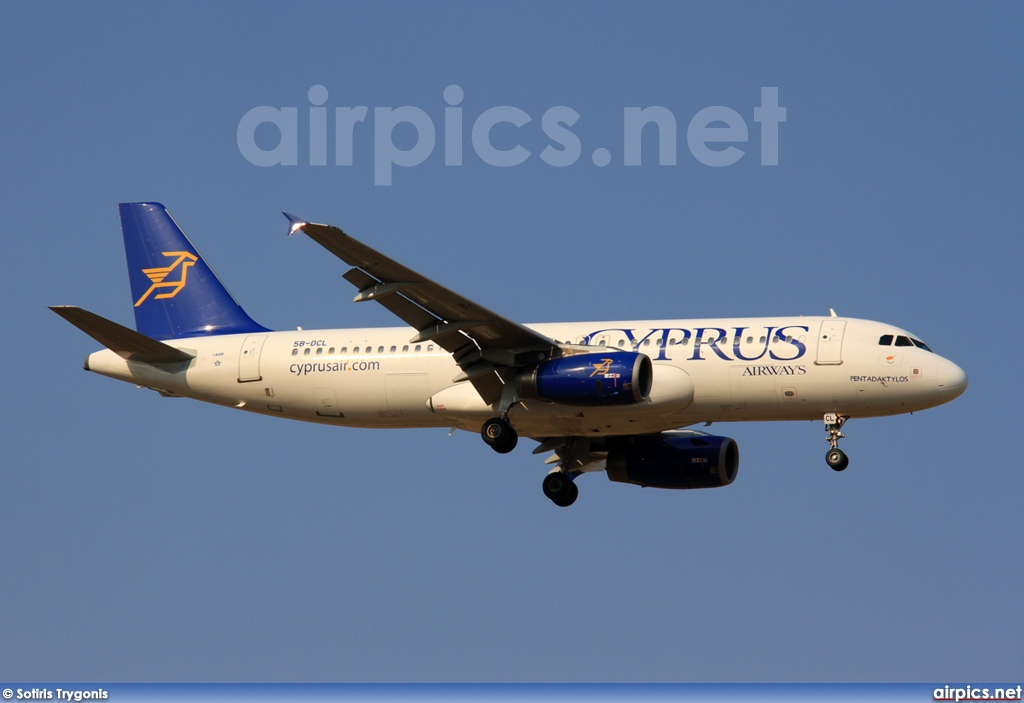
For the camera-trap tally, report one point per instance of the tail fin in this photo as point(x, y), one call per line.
point(175, 292)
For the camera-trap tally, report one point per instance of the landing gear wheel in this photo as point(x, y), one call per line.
point(559, 488)
point(574, 493)
point(837, 459)
point(499, 435)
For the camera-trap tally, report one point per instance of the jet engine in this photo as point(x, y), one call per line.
point(682, 459)
point(612, 378)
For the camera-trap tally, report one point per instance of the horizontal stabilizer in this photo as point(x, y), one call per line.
point(125, 342)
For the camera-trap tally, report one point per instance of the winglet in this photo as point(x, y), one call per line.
point(294, 223)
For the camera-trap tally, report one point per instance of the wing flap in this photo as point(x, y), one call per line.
point(409, 312)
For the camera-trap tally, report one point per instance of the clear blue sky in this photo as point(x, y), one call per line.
point(148, 539)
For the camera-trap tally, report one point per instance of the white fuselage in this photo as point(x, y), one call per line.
point(793, 368)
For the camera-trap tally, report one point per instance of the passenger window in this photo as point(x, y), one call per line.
point(750, 340)
point(430, 347)
point(622, 342)
point(418, 347)
point(394, 349)
point(319, 351)
point(331, 351)
point(405, 348)
point(344, 350)
point(355, 350)
point(902, 341)
point(885, 340)
point(295, 352)
point(762, 340)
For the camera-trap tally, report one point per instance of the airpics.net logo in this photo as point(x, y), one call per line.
point(712, 134)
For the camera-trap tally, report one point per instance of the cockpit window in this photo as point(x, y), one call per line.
point(902, 341)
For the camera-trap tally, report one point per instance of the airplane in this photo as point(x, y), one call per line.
point(616, 396)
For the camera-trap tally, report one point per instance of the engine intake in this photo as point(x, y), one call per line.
point(685, 459)
point(612, 378)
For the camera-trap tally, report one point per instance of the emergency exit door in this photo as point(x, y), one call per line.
point(249, 358)
point(830, 342)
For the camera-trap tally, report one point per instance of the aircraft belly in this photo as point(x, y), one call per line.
point(536, 418)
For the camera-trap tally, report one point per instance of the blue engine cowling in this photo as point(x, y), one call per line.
point(685, 459)
point(612, 378)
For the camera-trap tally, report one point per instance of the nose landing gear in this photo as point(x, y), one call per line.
point(835, 457)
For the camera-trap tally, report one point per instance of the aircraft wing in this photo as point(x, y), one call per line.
point(481, 341)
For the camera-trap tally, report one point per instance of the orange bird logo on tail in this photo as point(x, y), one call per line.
point(158, 276)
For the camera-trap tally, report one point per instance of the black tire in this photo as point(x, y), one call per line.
point(837, 459)
point(574, 493)
point(510, 443)
point(557, 486)
point(499, 435)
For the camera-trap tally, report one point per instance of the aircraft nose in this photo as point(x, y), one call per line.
point(952, 380)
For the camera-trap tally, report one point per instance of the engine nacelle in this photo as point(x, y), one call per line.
point(684, 459)
point(612, 378)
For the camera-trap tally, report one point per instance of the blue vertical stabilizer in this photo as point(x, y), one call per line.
point(174, 291)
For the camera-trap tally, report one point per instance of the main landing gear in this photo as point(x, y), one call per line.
point(498, 432)
point(835, 457)
point(499, 435)
point(560, 488)
point(558, 485)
